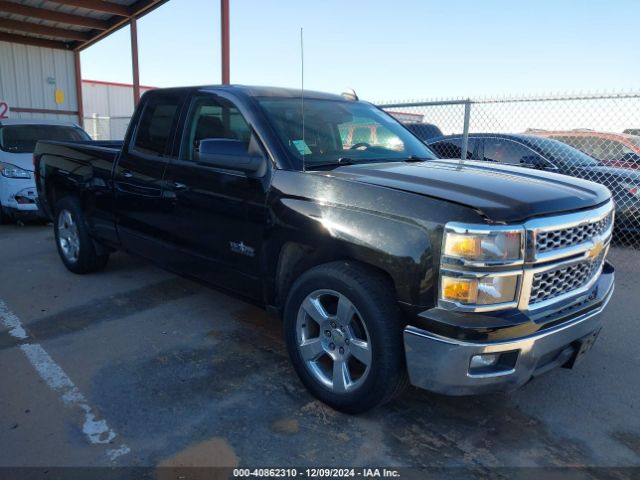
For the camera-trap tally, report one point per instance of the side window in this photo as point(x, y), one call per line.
point(453, 148)
point(211, 117)
point(506, 151)
point(155, 128)
point(447, 149)
point(611, 149)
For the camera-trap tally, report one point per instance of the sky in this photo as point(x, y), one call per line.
point(387, 50)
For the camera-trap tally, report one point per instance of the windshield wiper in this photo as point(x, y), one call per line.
point(341, 162)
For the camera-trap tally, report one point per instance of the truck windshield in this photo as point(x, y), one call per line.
point(341, 132)
point(23, 138)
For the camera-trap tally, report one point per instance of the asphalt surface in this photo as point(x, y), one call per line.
point(143, 368)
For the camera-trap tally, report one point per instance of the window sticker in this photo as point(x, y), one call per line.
point(302, 147)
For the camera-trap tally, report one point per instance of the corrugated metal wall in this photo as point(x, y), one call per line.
point(29, 77)
point(107, 108)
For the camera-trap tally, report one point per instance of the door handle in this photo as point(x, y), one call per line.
point(179, 186)
point(126, 174)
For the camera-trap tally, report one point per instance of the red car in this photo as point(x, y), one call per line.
point(613, 149)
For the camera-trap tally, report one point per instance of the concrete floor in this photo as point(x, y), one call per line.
point(171, 373)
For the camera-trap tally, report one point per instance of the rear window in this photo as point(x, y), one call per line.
point(155, 128)
point(23, 138)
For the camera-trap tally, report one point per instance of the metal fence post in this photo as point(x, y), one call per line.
point(465, 130)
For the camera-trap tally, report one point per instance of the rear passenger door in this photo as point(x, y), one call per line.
point(140, 203)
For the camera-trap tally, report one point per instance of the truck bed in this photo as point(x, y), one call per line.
point(81, 167)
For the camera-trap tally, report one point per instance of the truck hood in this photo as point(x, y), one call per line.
point(21, 160)
point(501, 193)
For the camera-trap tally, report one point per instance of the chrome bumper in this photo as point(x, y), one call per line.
point(442, 364)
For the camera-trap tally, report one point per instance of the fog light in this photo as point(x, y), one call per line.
point(22, 200)
point(484, 360)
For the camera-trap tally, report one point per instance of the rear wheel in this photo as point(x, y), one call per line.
point(344, 336)
point(75, 246)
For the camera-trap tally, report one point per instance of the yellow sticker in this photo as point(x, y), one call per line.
point(59, 95)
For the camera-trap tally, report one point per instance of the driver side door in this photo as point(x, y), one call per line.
point(217, 217)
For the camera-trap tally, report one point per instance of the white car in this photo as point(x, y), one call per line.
point(18, 138)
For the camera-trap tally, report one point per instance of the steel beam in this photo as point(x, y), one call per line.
point(33, 28)
point(76, 57)
point(37, 42)
point(224, 24)
point(134, 61)
point(53, 16)
point(98, 6)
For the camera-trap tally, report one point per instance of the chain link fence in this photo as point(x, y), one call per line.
point(593, 137)
point(106, 128)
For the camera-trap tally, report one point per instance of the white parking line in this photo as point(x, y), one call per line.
point(12, 322)
point(96, 431)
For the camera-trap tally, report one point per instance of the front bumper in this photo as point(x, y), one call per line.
point(18, 196)
point(442, 364)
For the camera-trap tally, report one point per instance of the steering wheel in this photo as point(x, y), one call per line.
point(359, 145)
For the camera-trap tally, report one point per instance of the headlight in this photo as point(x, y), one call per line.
point(471, 277)
point(489, 246)
point(485, 290)
point(11, 171)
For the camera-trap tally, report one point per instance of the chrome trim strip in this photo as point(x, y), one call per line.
point(572, 293)
point(499, 373)
point(562, 222)
point(517, 343)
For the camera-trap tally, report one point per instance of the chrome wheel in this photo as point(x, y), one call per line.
point(333, 341)
point(68, 237)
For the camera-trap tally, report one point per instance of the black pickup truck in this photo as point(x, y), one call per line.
point(387, 265)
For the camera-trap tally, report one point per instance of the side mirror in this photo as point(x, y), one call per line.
point(631, 157)
point(228, 154)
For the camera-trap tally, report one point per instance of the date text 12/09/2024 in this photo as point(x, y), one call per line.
point(316, 473)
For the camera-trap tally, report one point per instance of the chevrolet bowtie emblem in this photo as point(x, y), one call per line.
point(595, 251)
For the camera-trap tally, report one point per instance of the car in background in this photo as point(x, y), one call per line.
point(548, 154)
point(365, 135)
point(614, 149)
point(18, 138)
point(424, 131)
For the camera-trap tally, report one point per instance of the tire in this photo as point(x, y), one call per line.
point(5, 218)
point(75, 246)
point(344, 336)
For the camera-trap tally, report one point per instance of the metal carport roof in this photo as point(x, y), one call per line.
point(67, 24)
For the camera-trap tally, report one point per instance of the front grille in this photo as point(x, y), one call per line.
point(553, 283)
point(569, 237)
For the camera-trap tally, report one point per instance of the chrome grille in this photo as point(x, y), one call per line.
point(569, 237)
point(553, 283)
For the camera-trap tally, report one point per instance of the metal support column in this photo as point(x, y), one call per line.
point(76, 57)
point(224, 45)
point(465, 131)
point(134, 61)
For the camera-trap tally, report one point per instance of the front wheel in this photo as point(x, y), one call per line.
point(75, 246)
point(344, 336)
